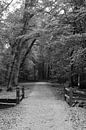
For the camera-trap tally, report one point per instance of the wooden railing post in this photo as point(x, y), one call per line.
point(64, 93)
point(23, 93)
point(17, 95)
point(79, 80)
point(71, 96)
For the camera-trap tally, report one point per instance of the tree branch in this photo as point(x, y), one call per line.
point(6, 7)
point(28, 50)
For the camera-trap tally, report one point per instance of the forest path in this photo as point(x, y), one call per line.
point(40, 110)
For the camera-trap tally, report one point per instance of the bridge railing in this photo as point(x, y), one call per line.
point(20, 94)
point(72, 95)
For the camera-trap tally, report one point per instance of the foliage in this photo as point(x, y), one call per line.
point(47, 35)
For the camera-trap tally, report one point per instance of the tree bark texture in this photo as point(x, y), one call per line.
point(15, 66)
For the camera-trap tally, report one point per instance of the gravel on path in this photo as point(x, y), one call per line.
point(40, 110)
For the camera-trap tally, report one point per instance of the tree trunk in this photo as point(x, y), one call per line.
point(17, 71)
point(48, 73)
point(9, 86)
point(17, 60)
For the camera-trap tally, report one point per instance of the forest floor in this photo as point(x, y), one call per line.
point(43, 109)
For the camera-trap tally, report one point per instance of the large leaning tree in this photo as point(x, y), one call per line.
point(52, 32)
point(23, 40)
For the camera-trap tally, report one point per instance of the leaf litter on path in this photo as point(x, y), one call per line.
point(41, 110)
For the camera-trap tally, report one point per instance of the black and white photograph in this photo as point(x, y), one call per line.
point(42, 64)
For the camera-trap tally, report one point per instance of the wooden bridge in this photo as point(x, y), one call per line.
point(73, 96)
point(14, 98)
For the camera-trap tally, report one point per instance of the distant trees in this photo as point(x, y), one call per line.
point(66, 27)
point(48, 34)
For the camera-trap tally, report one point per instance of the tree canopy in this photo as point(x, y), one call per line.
point(41, 37)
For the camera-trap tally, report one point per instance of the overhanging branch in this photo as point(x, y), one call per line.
point(28, 50)
point(6, 6)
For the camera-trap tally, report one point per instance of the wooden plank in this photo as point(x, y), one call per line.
point(67, 89)
point(79, 92)
point(79, 98)
point(79, 95)
point(8, 100)
point(67, 96)
point(6, 103)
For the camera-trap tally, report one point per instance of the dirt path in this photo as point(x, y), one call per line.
point(40, 110)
